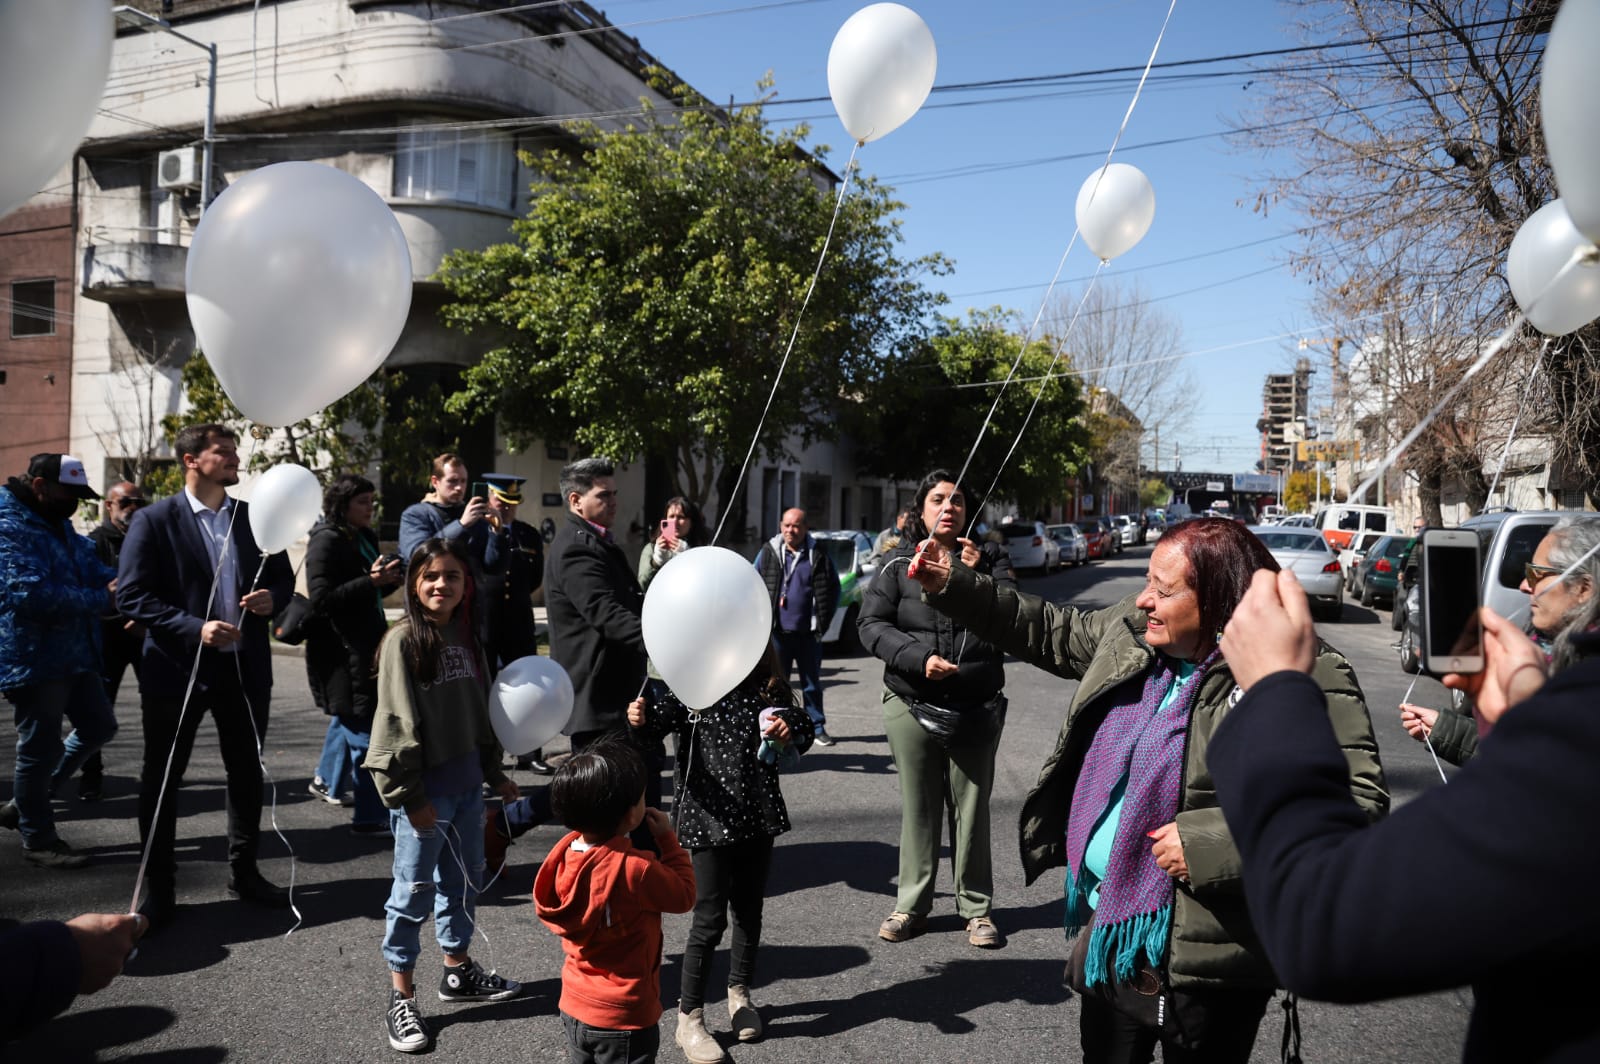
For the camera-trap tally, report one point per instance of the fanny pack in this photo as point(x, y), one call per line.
point(973, 724)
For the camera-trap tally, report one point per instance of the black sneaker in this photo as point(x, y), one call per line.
point(55, 854)
point(469, 982)
point(407, 1032)
point(90, 791)
point(370, 830)
point(320, 789)
point(10, 816)
point(823, 738)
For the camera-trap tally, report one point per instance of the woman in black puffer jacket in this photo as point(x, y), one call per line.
point(346, 581)
point(943, 713)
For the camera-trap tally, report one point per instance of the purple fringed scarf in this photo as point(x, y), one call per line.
point(1145, 744)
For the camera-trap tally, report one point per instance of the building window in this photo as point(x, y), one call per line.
point(456, 166)
point(33, 308)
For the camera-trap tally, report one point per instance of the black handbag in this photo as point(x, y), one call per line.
point(960, 726)
point(296, 621)
point(1146, 999)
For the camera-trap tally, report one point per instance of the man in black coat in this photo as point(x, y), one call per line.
point(188, 574)
point(121, 639)
point(1350, 911)
point(593, 604)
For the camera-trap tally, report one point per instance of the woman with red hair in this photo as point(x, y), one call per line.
point(1163, 949)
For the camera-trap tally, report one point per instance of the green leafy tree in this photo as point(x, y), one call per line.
point(647, 300)
point(925, 408)
point(1154, 491)
point(1300, 490)
point(367, 427)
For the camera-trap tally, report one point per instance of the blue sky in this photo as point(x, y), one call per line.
point(1007, 229)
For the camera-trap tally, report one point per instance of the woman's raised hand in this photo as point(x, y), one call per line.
point(938, 668)
point(1513, 668)
point(970, 554)
point(931, 565)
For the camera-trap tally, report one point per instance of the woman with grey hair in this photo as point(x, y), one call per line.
point(1561, 612)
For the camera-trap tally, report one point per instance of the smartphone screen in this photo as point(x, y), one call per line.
point(1451, 571)
point(480, 490)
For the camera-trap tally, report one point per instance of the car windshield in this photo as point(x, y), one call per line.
point(842, 553)
point(1017, 531)
point(1274, 539)
point(1089, 526)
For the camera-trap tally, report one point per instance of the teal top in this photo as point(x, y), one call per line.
point(1097, 854)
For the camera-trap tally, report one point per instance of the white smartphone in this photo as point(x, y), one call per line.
point(1452, 570)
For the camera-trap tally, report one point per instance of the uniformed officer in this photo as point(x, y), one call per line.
point(513, 571)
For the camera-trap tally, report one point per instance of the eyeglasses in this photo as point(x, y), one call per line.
point(1534, 574)
point(126, 503)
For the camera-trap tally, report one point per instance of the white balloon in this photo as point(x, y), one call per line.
point(285, 502)
point(299, 282)
point(880, 69)
point(1545, 244)
point(53, 62)
point(1569, 88)
point(530, 703)
point(707, 621)
point(1115, 210)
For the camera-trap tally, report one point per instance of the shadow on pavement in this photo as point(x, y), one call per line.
point(939, 999)
point(538, 999)
point(83, 1035)
point(823, 759)
point(864, 866)
point(775, 966)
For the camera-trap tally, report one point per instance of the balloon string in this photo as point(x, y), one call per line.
point(1044, 382)
point(1581, 256)
point(1522, 402)
point(1044, 302)
point(1426, 740)
point(188, 694)
point(838, 204)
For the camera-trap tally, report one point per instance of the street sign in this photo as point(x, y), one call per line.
point(1259, 483)
point(1328, 450)
point(1215, 485)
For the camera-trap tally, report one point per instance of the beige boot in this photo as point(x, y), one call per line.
point(746, 1020)
point(696, 1042)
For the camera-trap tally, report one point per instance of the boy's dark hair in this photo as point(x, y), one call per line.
point(194, 439)
point(596, 787)
point(580, 476)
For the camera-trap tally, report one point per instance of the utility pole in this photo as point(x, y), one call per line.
point(151, 24)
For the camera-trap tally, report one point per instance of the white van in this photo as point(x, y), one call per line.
point(1354, 527)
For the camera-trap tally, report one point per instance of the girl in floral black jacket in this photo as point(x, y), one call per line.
point(728, 810)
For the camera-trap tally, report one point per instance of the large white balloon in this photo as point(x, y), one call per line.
point(707, 621)
point(1115, 210)
point(880, 69)
point(530, 703)
point(285, 502)
point(53, 62)
point(1569, 89)
point(1544, 245)
point(299, 282)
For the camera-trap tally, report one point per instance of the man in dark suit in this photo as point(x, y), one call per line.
point(188, 574)
point(593, 603)
point(121, 640)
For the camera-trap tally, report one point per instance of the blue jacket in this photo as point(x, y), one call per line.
point(53, 591)
point(427, 520)
point(164, 583)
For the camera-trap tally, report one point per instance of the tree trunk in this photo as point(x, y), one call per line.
point(733, 504)
point(1428, 491)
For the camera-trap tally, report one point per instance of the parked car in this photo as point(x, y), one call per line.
point(1378, 575)
point(1304, 552)
point(1347, 525)
point(1113, 534)
point(1094, 534)
point(1030, 546)
point(850, 550)
point(1127, 529)
point(1298, 521)
point(1071, 542)
point(1273, 514)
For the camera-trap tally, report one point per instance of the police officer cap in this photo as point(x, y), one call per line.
point(506, 488)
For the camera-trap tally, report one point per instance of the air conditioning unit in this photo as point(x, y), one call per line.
point(178, 168)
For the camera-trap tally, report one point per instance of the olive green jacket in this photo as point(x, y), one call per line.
point(1213, 945)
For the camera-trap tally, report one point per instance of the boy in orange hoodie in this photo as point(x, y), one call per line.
point(605, 897)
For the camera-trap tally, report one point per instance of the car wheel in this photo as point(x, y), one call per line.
point(1397, 613)
point(1367, 597)
point(1410, 656)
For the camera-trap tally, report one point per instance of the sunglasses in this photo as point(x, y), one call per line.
point(1533, 574)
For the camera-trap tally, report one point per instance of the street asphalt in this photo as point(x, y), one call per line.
point(227, 981)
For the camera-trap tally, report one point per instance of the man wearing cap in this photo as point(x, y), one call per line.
point(513, 569)
point(54, 592)
point(446, 512)
point(121, 639)
point(191, 573)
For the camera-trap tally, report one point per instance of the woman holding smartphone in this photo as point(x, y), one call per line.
point(681, 529)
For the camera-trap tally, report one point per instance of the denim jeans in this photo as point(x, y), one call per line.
point(609, 1045)
point(369, 807)
point(333, 766)
point(804, 650)
point(43, 761)
point(428, 877)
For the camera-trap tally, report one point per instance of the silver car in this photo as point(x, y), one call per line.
point(1074, 546)
point(1305, 553)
